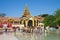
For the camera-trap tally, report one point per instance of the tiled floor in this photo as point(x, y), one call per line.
point(29, 36)
point(7, 36)
point(38, 36)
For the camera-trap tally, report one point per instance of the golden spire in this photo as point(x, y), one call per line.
point(26, 12)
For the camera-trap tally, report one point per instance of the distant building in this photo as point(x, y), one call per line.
point(27, 19)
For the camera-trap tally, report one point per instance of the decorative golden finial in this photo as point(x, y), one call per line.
point(26, 8)
point(26, 12)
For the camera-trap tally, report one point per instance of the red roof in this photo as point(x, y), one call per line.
point(4, 18)
point(16, 19)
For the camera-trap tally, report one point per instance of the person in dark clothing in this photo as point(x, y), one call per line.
point(18, 29)
point(6, 30)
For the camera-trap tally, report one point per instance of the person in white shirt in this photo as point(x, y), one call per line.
point(5, 27)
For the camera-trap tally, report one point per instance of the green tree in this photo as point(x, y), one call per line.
point(57, 15)
point(2, 14)
point(49, 20)
point(44, 15)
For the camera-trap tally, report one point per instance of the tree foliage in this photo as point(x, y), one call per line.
point(57, 15)
point(2, 14)
point(44, 15)
point(48, 20)
point(52, 20)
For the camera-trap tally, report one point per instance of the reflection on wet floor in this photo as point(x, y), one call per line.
point(7, 36)
point(31, 36)
point(38, 36)
point(1, 33)
point(51, 36)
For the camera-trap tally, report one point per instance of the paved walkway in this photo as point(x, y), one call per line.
point(30, 36)
point(9, 36)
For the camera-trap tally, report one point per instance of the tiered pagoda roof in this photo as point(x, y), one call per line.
point(26, 12)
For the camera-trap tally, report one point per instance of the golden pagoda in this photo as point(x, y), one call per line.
point(27, 19)
point(26, 12)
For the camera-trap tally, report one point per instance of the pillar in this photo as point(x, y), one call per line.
point(26, 23)
point(33, 22)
